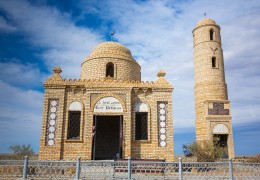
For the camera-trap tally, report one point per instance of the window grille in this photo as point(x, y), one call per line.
point(74, 125)
point(141, 126)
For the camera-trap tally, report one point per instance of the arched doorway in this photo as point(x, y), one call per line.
point(108, 129)
point(220, 136)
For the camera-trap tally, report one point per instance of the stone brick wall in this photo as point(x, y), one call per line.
point(126, 86)
point(209, 81)
point(125, 67)
point(150, 149)
point(52, 152)
point(88, 93)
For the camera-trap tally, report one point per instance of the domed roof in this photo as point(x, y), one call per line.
point(112, 50)
point(206, 21)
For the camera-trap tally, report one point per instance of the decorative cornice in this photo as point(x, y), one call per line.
point(219, 117)
point(56, 81)
point(217, 100)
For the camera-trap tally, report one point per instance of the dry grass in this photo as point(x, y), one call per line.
point(255, 159)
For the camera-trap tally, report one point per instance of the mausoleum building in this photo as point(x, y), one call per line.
point(108, 112)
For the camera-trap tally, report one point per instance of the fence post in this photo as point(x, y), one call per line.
point(231, 169)
point(78, 168)
point(25, 165)
point(180, 169)
point(129, 168)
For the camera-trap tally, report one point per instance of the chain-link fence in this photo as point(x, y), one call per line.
point(127, 169)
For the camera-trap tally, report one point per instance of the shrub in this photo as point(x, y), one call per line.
point(22, 150)
point(255, 159)
point(205, 151)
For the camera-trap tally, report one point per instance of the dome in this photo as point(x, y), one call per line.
point(110, 59)
point(110, 50)
point(206, 21)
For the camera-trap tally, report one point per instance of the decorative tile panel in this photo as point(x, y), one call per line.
point(51, 122)
point(162, 115)
point(218, 109)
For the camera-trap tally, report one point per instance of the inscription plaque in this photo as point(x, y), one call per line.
point(108, 104)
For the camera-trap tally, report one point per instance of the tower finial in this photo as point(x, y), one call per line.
point(205, 14)
point(112, 34)
point(57, 70)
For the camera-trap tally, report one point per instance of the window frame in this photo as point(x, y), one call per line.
point(214, 62)
point(146, 127)
point(211, 34)
point(110, 65)
point(73, 108)
point(69, 125)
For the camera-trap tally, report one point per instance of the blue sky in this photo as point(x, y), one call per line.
point(36, 35)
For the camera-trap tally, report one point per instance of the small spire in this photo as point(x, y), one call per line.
point(205, 14)
point(57, 70)
point(161, 73)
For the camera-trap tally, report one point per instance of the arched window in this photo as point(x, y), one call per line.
point(211, 34)
point(110, 70)
point(213, 62)
point(141, 121)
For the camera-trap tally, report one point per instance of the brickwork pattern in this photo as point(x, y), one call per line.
point(52, 152)
point(126, 86)
point(70, 149)
point(150, 149)
point(210, 85)
point(125, 67)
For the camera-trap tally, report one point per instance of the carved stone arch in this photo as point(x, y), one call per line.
point(68, 89)
point(75, 106)
point(220, 129)
point(141, 107)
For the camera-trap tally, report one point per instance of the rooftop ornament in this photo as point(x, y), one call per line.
point(161, 73)
point(57, 70)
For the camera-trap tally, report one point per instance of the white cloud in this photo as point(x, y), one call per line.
point(20, 116)
point(241, 41)
point(66, 44)
point(21, 75)
point(159, 35)
point(5, 26)
point(14, 100)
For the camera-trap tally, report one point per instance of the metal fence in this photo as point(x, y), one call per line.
point(128, 169)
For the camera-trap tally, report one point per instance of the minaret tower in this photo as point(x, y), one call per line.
point(212, 107)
